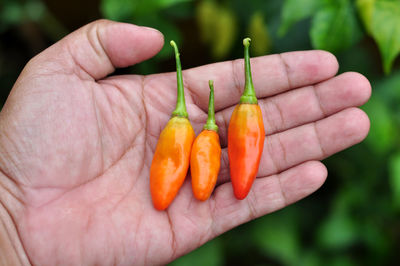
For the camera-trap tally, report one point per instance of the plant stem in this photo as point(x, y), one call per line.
point(210, 124)
point(180, 109)
point(249, 94)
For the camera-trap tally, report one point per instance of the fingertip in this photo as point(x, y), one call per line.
point(323, 63)
point(127, 44)
point(361, 85)
point(361, 123)
point(309, 67)
point(354, 124)
point(329, 60)
point(317, 174)
point(343, 91)
point(303, 180)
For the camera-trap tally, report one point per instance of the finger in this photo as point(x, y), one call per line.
point(305, 105)
point(95, 50)
point(272, 74)
point(313, 141)
point(268, 194)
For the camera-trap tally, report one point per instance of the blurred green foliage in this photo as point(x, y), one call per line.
point(16, 12)
point(354, 219)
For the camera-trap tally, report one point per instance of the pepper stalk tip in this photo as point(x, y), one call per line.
point(175, 46)
point(249, 95)
point(210, 123)
point(180, 109)
point(246, 41)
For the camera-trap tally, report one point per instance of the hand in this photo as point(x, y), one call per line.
point(76, 145)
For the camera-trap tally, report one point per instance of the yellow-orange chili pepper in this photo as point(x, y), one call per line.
point(205, 158)
point(246, 135)
point(171, 158)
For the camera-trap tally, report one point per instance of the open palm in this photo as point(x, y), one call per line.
point(76, 145)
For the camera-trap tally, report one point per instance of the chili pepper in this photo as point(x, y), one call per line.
point(205, 158)
point(245, 135)
point(171, 157)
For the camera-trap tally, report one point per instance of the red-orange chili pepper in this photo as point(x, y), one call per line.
point(246, 135)
point(171, 158)
point(205, 158)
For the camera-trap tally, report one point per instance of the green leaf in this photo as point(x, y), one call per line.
point(180, 11)
point(338, 230)
point(375, 235)
point(11, 13)
point(385, 28)
point(206, 16)
point(225, 33)
point(126, 10)
point(382, 134)
point(17, 12)
point(310, 257)
point(218, 27)
point(169, 3)
point(258, 32)
point(335, 27)
point(209, 254)
point(389, 90)
point(119, 10)
point(381, 19)
point(394, 178)
point(295, 10)
point(365, 9)
point(341, 260)
point(277, 235)
point(34, 10)
point(149, 7)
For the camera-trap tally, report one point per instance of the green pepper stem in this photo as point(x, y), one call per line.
point(210, 124)
point(249, 94)
point(180, 109)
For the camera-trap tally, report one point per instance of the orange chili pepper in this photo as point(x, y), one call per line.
point(171, 158)
point(245, 135)
point(205, 158)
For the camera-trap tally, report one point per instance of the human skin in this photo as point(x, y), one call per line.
point(76, 147)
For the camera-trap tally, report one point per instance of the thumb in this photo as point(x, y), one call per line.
point(95, 50)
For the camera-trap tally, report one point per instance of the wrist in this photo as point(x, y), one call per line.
point(11, 248)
